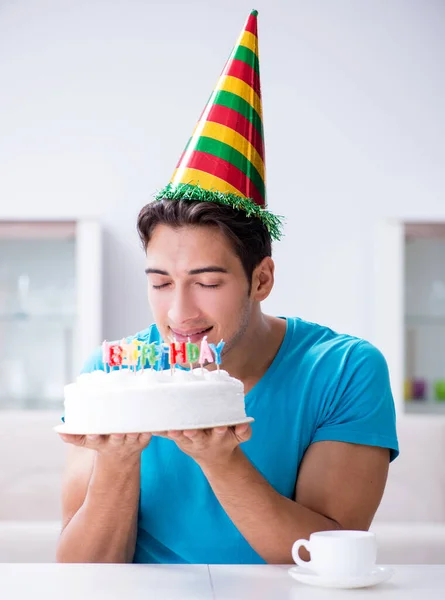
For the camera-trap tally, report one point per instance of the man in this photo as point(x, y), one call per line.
point(317, 454)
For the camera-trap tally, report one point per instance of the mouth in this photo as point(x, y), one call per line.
point(192, 335)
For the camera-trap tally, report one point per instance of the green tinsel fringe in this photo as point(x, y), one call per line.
point(187, 191)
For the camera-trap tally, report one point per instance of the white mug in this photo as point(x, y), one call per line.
point(338, 553)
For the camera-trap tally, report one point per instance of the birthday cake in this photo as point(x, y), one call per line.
point(127, 397)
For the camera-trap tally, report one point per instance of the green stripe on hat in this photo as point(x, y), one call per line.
point(232, 156)
point(247, 56)
point(241, 106)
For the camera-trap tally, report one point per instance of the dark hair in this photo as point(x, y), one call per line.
point(249, 237)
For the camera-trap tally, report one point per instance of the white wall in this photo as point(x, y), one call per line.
point(98, 98)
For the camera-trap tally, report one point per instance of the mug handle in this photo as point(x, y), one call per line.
point(296, 547)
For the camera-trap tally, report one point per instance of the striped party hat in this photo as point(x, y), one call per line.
point(223, 161)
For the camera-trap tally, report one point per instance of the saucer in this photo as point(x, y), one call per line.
point(377, 575)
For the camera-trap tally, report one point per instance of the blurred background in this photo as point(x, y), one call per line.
point(97, 101)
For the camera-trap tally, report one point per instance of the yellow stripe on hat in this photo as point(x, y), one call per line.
point(241, 89)
point(232, 138)
point(203, 179)
point(248, 40)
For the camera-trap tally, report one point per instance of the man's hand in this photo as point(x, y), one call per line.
point(100, 497)
point(210, 447)
point(119, 445)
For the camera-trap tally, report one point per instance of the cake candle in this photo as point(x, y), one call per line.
point(177, 353)
point(205, 353)
point(217, 352)
point(115, 356)
point(148, 353)
point(192, 351)
point(164, 351)
point(124, 347)
point(187, 347)
point(133, 354)
point(106, 355)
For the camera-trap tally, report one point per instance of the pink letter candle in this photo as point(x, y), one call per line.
point(105, 355)
point(205, 353)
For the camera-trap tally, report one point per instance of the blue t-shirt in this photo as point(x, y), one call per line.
point(321, 386)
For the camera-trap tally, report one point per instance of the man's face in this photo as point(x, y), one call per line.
point(197, 286)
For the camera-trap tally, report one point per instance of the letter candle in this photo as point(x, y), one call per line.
point(148, 353)
point(177, 353)
point(115, 359)
point(129, 354)
point(106, 355)
point(164, 351)
point(125, 354)
point(217, 352)
point(133, 351)
point(205, 353)
point(192, 353)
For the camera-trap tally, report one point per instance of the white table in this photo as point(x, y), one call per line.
point(200, 582)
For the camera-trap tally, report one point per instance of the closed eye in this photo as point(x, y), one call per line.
point(160, 287)
point(215, 285)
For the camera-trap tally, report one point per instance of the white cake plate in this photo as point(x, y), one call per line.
point(65, 428)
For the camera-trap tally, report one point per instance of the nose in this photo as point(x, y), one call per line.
point(182, 307)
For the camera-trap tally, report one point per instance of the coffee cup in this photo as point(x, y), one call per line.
point(338, 553)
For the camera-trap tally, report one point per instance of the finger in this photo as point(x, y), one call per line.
point(178, 437)
point(196, 436)
point(220, 431)
point(137, 439)
point(243, 432)
point(69, 438)
point(144, 438)
point(241, 429)
point(199, 439)
point(117, 439)
point(191, 433)
point(94, 440)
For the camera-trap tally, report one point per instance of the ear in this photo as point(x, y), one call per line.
point(263, 279)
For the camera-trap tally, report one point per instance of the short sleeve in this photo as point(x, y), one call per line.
point(362, 410)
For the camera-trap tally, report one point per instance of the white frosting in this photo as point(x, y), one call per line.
point(124, 401)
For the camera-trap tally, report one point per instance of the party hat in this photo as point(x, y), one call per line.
point(223, 161)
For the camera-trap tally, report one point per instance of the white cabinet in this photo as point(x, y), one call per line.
point(410, 311)
point(50, 320)
point(50, 308)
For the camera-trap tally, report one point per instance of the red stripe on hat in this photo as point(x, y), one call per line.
point(252, 25)
point(224, 170)
point(241, 70)
point(230, 118)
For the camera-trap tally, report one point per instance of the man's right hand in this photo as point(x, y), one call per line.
point(120, 445)
point(100, 497)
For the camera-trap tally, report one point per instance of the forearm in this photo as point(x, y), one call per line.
point(104, 529)
point(270, 522)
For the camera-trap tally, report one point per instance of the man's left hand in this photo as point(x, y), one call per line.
point(210, 447)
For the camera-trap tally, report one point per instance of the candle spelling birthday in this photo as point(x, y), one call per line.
point(160, 356)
